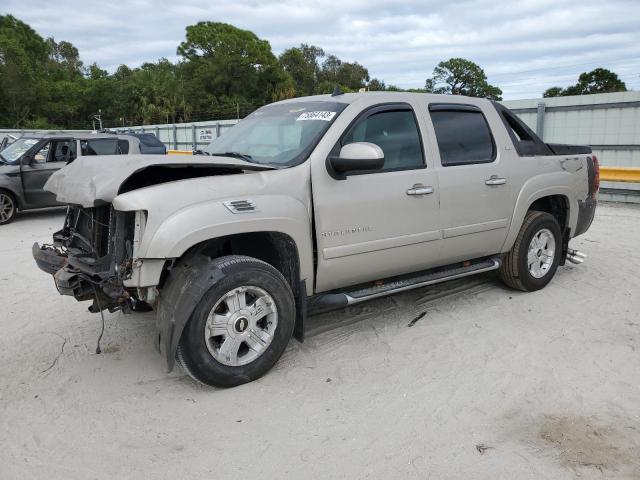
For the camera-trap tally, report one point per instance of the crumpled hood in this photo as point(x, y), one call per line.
point(89, 181)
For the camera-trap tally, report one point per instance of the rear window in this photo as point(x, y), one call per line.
point(123, 146)
point(99, 146)
point(150, 144)
point(463, 137)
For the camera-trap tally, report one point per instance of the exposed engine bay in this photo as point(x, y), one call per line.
point(91, 256)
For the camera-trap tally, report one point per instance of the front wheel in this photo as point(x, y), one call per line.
point(534, 258)
point(241, 326)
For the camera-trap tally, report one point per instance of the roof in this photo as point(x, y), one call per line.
point(387, 97)
point(78, 135)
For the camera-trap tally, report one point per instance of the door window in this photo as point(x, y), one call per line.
point(43, 154)
point(123, 147)
point(63, 151)
point(99, 146)
point(463, 137)
point(396, 133)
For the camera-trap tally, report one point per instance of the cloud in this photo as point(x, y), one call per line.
point(524, 47)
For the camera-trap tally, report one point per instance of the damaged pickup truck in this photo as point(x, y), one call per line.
point(315, 203)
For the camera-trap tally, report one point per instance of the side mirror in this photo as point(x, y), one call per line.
point(359, 156)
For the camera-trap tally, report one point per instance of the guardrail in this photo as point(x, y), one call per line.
point(620, 174)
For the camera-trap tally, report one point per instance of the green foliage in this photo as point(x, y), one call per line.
point(303, 66)
point(223, 72)
point(600, 80)
point(458, 76)
point(552, 92)
point(22, 86)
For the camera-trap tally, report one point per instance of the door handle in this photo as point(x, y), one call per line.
point(419, 189)
point(495, 180)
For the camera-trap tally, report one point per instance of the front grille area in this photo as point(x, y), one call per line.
point(89, 229)
point(98, 231)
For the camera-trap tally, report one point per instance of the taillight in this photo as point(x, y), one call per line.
point(596, 176)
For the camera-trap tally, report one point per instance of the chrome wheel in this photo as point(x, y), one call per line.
point(542, 250)
point(7, 207)
point(241, 325)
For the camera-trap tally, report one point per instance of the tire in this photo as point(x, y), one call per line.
point(261, 330)
point(518, 271)
point(8, 207)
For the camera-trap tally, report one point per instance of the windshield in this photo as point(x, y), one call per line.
point(280, 134)
point(13, 152)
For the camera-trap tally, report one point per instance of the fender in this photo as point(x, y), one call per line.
point(171, 236)
point(11, 182)
point(545, 185)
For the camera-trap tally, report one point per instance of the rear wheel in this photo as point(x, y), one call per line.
point(241, 326)
point(534, 258)
point(8, 207)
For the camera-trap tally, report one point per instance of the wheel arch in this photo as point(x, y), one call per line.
point(275, 248)
point(554, 200)
point(17, 199)
point(183, 285)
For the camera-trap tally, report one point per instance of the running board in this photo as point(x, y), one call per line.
point(363, 293)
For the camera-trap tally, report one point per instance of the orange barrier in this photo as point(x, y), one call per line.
point(179, 152)
point(619, 174)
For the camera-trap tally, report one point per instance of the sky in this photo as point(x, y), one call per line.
point(523, 46)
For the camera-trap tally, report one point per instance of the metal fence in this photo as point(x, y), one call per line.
point(609, 122)
point(185, 136)
point(179, 136)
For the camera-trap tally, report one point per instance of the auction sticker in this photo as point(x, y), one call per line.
point(320, 115)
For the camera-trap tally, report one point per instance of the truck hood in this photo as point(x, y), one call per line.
point(95, 180)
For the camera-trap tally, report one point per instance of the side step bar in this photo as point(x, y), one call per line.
point(363, 293)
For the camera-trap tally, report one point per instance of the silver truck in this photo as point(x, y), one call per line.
point(315, 203)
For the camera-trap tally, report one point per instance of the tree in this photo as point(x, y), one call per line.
point(225, 61)
point(302, 64)
point(348, 76)
point(458, 76)
point(552, 92)
point(23, 59)
point(599, 80)
point(376, 85)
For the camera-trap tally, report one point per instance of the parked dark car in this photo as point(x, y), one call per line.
point(28, 162)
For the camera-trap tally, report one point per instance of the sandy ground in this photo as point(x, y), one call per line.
point(488, 383)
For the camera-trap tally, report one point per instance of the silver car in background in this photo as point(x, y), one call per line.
point(28, 162)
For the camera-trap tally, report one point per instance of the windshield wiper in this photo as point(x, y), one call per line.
point(242, 156)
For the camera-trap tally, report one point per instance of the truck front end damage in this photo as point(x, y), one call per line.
point(91, 257)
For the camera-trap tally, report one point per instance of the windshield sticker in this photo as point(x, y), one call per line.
point(320, 115)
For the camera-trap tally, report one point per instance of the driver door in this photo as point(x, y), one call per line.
point(37, 168)
point(376, 224)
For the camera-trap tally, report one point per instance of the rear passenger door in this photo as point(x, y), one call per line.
point(476, 196)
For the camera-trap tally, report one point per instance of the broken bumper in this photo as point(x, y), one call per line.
point(82, 277)
point(48, 259)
